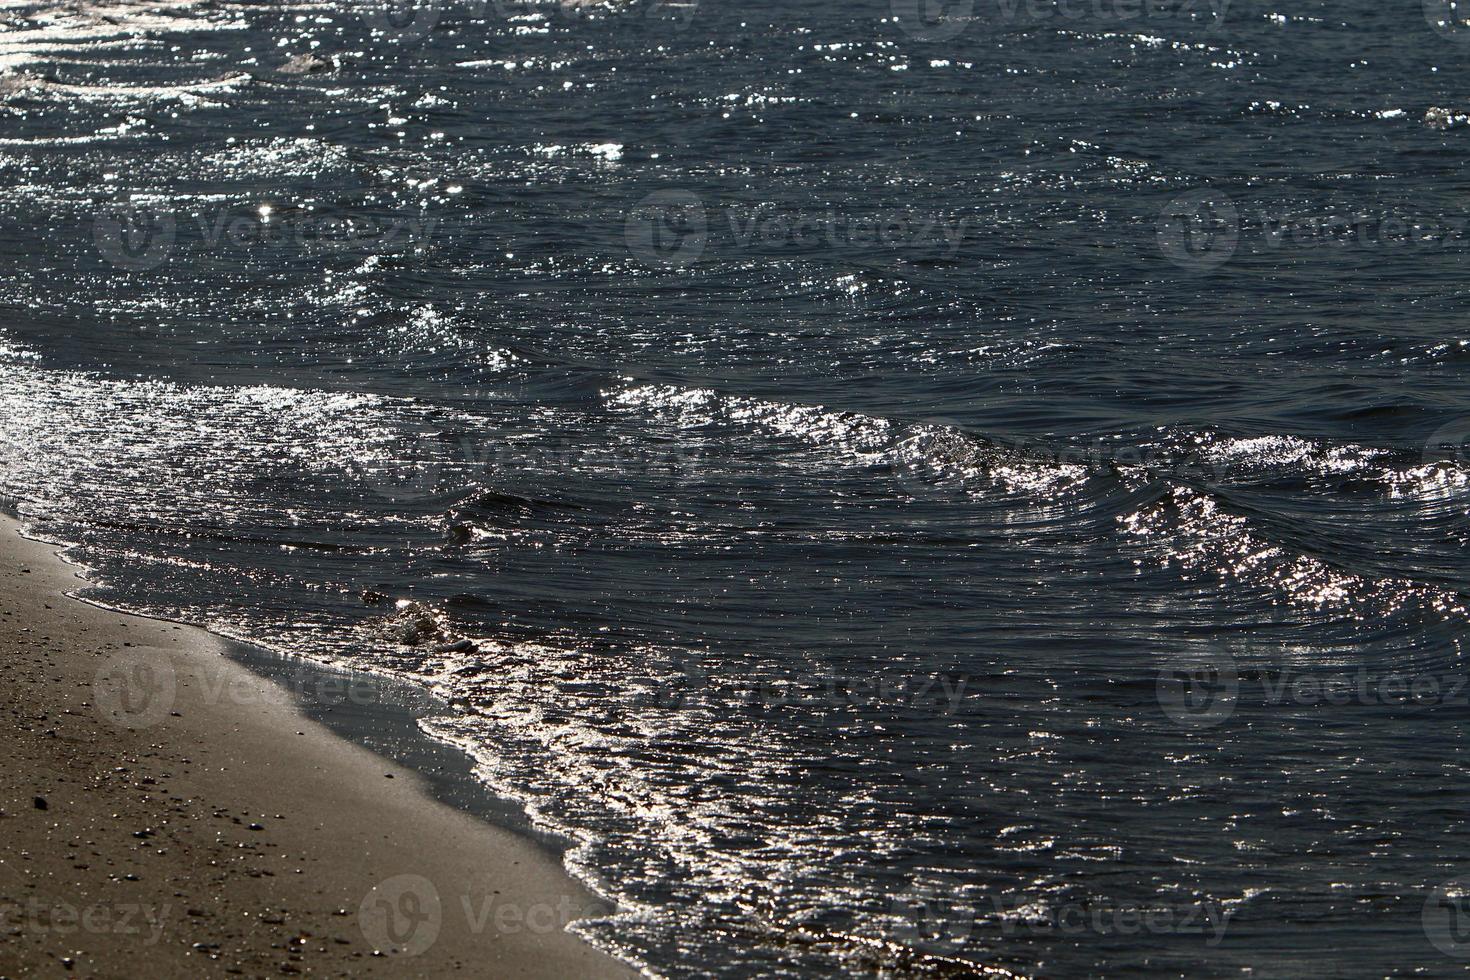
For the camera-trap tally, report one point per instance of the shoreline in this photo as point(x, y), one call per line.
point(170, 811)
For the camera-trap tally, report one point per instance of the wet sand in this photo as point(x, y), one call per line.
point(165, 812)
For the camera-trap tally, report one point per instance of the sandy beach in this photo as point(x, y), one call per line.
point(167, 813)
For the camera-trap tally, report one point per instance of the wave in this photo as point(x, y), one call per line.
point(700, 752)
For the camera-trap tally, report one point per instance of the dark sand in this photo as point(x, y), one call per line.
point(165, 812)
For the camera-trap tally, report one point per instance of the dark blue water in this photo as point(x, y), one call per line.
point(912, 490)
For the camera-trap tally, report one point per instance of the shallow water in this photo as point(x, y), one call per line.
point(924, 495)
